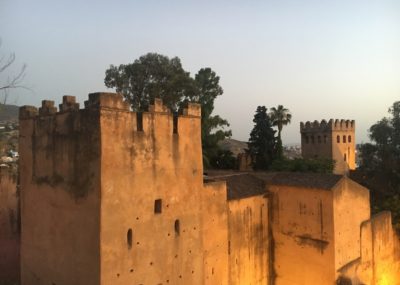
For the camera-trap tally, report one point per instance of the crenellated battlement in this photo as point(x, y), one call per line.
point(158, 107)
point(333, 139)
point(65, 140)
point(102, 100)
point(27, 112)
point(324, 126)
point(47, 108)
point(96, 101)
point(69, 104)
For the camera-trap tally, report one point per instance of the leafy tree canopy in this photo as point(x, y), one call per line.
point(379, 163)
point(383, 155)
point(157, 76)
point(317, 165)
point(152, 76)
point(280, 117)
point(262, 142)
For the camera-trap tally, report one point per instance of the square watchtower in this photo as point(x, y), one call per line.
point(110, 196)
point(334, 140)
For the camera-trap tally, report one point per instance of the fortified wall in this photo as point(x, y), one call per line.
point(102, 180)
point(334, 139)
point(110, 196)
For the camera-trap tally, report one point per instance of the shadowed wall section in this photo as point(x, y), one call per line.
point(60, 198)
point(9, 227)
point(248, 241)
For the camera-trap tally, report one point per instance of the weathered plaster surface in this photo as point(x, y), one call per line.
point(248, 241)
point(302, 229)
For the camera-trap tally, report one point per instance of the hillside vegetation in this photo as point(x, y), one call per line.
point(8, 112)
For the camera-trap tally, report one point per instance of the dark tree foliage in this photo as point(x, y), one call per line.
point(212, 127)
point(280, 117)
point(383, 156)
point(368, 160)
point(152, 76)
point(157, 76)
point(262, 142)
point(320, 165)
point(379, 163)
point(223, 160)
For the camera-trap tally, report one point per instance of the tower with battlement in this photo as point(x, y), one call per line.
point(334, 139)
point(110, 196)
point(114, 197)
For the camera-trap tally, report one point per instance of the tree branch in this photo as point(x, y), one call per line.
point(13, 82)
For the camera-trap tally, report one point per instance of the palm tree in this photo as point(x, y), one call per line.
point(280, 117)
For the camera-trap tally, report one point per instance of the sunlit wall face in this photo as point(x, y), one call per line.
point(389, 274)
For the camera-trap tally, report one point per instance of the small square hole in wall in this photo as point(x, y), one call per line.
point(158, 206)
point(139, 122)
point(177, 227)
point(129, 238)
point(175, 123)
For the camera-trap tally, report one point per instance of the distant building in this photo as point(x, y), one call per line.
point(334, 140)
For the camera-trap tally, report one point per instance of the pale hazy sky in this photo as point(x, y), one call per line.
point(321, 59)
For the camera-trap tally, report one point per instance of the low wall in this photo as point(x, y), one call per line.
point(379, 263)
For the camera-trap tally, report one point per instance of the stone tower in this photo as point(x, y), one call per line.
point(110, 196)
point(334, 140)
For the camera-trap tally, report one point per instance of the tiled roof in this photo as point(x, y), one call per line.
point(243, 185)
point(306, 180)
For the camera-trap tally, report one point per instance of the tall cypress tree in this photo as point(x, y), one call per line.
point(262, 142)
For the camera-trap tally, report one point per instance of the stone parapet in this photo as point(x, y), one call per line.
point(192, 109)
point(324, 126)
point(27, 112)
point(100, 100)
point(106, 100)
point(47, 108)
point(158, 107)
point(69, 104)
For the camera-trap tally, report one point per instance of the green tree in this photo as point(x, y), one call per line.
point(368, 160)
point(157, 76)
point(383, 157)
point(223, 160)
point(280, 117)
point(152, 76)
point(381, 132)
point(379, 163)
point(212, 127)
point(317, 165)
point(262, 142)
